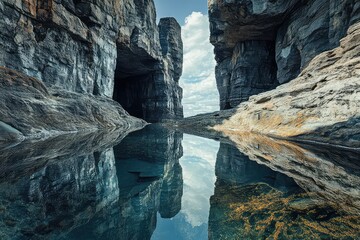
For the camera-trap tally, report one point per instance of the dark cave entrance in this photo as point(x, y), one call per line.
point(134, 84)
point(128, 91)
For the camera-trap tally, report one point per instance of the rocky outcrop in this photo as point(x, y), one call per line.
point(322, 104)
point(261, 44)
point(28, 109)
point(149, 64)
point(90, 47)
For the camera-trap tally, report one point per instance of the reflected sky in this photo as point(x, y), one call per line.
point(198, 164)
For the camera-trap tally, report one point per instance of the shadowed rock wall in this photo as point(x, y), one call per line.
point(260, 44)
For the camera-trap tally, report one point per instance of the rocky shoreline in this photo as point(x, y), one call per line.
point(320, 106)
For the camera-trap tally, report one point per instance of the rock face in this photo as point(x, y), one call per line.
point(146, 81)
point(260, 44)
point(322, 104)
point(28, 109)
point(90, 47)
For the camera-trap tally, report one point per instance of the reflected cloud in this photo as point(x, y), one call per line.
point(198, 165)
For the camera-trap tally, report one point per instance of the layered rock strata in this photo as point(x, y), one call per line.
point(28, 109)
point(90, 47)
point(261, 44)
point(322, 104)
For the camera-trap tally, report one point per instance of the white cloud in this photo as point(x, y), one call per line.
point(198, 79)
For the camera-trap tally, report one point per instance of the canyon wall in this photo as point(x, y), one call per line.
point(260, 44)
point(92, 47)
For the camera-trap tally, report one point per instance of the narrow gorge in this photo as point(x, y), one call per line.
point(93, 139)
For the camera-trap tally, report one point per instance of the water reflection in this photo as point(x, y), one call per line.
point(149, 182)
point(198, 165)
point(51, 187)
point(310, 193)
point(158, 184)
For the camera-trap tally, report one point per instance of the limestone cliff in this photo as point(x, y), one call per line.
point(92, 47)
point(260, 44)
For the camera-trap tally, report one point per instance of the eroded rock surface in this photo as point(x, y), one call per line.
point(322, 104)
point(28, 109)
point(90, 47)
point(260, 44)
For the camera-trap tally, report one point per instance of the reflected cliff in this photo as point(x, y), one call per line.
point(198, 164)
point(48, 188)
point(81, 187)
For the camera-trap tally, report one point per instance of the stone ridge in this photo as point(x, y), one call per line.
point(260, 44)
point(92, 47)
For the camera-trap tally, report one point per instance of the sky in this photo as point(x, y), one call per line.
point(200, 94)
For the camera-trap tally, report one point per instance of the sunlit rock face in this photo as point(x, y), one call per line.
point(268, 188)
point(287, 34)
point(92, 47)
point(321, 104)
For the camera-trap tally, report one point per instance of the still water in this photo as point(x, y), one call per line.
point(161, 184)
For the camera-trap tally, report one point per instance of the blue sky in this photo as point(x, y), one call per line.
point(180, 9)
point(200, 94)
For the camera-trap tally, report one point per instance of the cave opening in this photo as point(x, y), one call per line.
point(134, 82)
point(128, 92)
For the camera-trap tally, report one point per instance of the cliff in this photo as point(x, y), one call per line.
point(113, 49)
point(321, 105)
point(262, 44)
